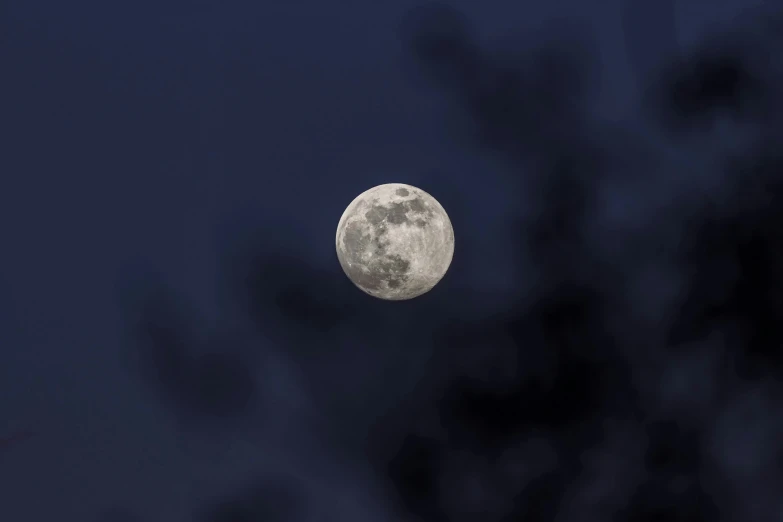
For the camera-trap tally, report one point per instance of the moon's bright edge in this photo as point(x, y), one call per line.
point(395, 241)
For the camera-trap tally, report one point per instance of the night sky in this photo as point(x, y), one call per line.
point(179, 343)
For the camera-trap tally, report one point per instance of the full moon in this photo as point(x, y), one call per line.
point(395, 242)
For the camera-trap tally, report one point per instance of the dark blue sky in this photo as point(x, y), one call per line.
point(176, 332)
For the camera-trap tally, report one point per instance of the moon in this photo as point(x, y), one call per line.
point(395, 242)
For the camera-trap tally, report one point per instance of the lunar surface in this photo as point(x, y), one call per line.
point(395, 242)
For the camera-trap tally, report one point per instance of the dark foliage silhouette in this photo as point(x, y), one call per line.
point(415, 472)
point(673, 490)
point(518, 404)
point(718, 80)
point(196, 369)
point(571, 375)
point(734, 263)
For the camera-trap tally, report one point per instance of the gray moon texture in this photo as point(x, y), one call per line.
point(395, 242)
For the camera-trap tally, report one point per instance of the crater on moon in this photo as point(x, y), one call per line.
point(395, 242)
